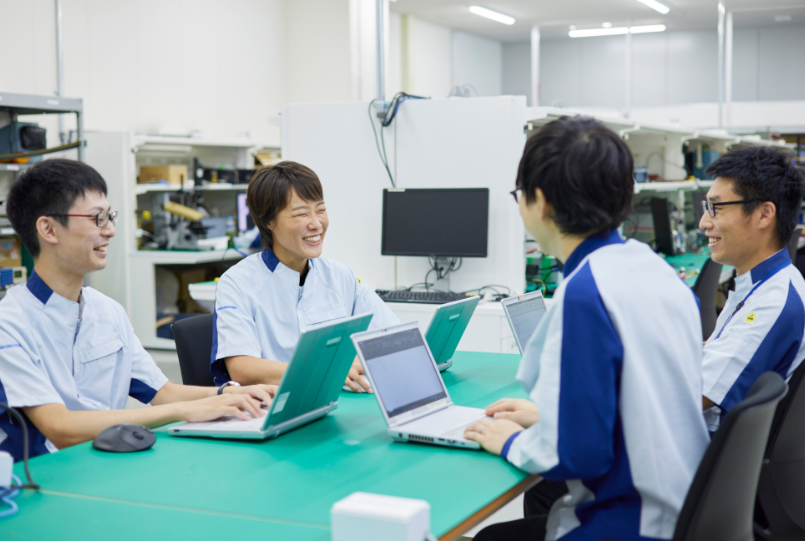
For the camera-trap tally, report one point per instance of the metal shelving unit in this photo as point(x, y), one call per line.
point(29, 104)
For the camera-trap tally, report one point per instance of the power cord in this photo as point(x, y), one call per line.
point(385, 122)
point(442, 272)
point(11, 491)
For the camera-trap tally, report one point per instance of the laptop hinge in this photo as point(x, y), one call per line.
point(447, 403)
point(302, 419)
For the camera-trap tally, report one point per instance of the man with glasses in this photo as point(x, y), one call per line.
point(750, 214)
point(68, 354)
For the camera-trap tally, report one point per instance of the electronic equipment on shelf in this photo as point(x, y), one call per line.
point(421, 297)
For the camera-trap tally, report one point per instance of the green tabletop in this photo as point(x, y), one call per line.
point(691, 262)
point(298, 476)
point(48, 516)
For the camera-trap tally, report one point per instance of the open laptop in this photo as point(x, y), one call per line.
point(446, 329)
point(409, 389)
point(524, 313)
point(308, 391)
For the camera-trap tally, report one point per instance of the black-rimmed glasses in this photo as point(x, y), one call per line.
point(514, 194)
point(711, 207)
point(101, 219)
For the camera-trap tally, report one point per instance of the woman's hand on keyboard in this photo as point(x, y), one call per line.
point(521, 411)
point(241, 406)
point(263, 393)
point(492, 435)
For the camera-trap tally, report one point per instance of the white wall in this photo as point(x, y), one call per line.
point(172, 66)
point(477, 61)
point(426, 58)
point(318, 60)
point(670, 68)
point(516, 72)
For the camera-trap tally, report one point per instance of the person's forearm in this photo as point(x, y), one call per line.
point(253, 370)
point(67, 428)
point(171, 392)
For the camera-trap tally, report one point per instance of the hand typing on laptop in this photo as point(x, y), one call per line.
point(492, 435)
point(241, 402)
point(521, 411)
point(356, 381)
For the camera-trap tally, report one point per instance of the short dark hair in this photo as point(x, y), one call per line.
point(766, 174)
point(48, 188)
point(585, 171)
point(270, 190)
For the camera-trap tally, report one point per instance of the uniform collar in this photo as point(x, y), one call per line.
point(590, 245)
point(771, 264)
point(271, 260)
point(39, 288)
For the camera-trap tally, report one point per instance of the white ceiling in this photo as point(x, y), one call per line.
point(554, 16)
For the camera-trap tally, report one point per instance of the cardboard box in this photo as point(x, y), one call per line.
point(10, 252)
point(187, 277)
point(172, 174)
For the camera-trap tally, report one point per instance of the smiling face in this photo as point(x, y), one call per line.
point(736, 238)
point(81, 245)
point(298, 231)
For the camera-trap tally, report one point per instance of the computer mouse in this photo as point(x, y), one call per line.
point(125, 439)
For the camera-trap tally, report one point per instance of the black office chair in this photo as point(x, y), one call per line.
point(780, 510)
point(792, 244)
point(721, 499)
point(705, 288)
point(194, 346)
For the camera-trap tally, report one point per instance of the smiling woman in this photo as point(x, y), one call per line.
point(267, 300)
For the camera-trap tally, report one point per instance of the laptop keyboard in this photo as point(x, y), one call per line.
point(229, 422)
point(449, 423)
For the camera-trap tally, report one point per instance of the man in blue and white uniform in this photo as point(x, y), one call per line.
point(266, 301)
point(68, 354)
point(620, 343)
point(750, 215)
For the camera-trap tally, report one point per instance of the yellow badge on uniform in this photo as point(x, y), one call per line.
point(751, 317)
point(359, 280)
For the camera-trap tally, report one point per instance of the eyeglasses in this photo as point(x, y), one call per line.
point(514, 194)
point(101, 219)
point(710, 207)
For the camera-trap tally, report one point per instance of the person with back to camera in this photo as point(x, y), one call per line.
point(263, 303)
point(68, 354)
point(749, 216)
point(613, 371)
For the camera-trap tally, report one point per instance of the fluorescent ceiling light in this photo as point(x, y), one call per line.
point(647, 29)
point(494, 15)
point(592, 32)
point(606, 25)
point(653, 4)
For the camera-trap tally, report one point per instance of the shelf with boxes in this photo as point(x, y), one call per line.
point(166, 222)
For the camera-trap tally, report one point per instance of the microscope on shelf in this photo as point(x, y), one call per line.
point(176, 225)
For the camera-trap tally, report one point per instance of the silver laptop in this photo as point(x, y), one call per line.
point(446, 329)
point(308, 391)
point(410, 390)
point(524, 313)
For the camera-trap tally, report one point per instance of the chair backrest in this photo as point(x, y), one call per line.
point(780, 513)
point(194, 346)
point(705, 288)
point(792, 244)
point(721, 499)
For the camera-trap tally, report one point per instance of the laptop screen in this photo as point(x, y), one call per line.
point(525, 316)
point(402, 370)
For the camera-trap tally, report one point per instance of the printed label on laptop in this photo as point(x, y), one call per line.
point(279, 405)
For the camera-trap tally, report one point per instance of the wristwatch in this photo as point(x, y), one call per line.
point(232, 383)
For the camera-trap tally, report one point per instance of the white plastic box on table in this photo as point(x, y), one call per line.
point(368, 517)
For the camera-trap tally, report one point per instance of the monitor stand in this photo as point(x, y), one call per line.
point(443, 284)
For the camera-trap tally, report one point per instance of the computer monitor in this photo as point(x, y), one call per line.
point(245, 222)
point(663, 233)
point(435, 222)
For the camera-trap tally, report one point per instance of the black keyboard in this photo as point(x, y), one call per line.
point(422, 297)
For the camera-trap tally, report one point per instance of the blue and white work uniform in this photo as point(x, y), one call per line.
point(261, 310)
point(615, 370)
point(83, 355)
point(765, 334)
